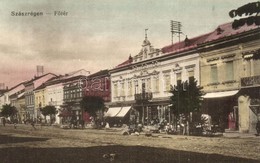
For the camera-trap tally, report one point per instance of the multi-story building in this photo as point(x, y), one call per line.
point(73, 94)
point(98, 84)
point(40, 99)
point(4, 99)
point(144, 81)
point(30, 86)
point(227, 65)
point(52, 92)
point(20, 105)
point(16, 101)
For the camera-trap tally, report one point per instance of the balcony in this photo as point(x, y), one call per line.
point(142, 97)
point(250, 81)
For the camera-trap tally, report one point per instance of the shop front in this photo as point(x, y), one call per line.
point(223, 109)
point(249, 108)
point(117, 116)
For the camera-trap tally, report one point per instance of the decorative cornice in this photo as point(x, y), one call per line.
point(212, 59)
point(228, 56)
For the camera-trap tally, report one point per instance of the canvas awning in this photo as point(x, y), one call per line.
point(123, 111)
point(220, 94)
point(112, 112)
point(117, 111)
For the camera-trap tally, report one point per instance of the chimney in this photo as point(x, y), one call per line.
point(40, 70)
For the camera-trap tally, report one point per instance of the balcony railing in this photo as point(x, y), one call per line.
point(141, 97)
point(250, 81)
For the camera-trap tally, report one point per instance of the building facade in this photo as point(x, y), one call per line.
point(30, 86)
point(144, 81)
point(226, 60)
point(98, 84)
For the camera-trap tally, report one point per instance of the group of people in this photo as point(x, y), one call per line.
point(15, 122)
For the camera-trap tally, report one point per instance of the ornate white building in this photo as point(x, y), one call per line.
point(144, 81)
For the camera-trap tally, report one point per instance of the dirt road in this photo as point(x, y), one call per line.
point(50, 144)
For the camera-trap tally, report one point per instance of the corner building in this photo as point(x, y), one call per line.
point(230, 76)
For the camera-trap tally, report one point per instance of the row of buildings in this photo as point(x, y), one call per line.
point(225, 62)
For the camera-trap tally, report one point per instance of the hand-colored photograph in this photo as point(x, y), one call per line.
point(129, 81)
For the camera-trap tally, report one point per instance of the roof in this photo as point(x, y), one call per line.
point(40, 87)
point(222, 31)
point(74, 78)
point(78, 71)
point(21, 97)
point(37, 77)
point(226, 30)
point(127, 62)
point(99, 73)
point(17, 86)
point(185, 45)
point(3, 91)
point(17, 94)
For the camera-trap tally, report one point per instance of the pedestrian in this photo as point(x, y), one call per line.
point(258, 128)
point(33, 124)
point(15, 123)
point(4, 121)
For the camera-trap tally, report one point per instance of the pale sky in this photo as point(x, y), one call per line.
point(96, 34)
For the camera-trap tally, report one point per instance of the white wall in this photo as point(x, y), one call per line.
point(153, 69)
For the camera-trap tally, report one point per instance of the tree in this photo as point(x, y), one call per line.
point(186, 98)
point(247, 10)
point(92, 104)
point(48, 110)
point(9, 111)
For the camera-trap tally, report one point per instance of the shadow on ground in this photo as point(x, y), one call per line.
point(124, 154)
point(6, 139)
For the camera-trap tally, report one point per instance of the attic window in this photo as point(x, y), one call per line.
point(219, 30)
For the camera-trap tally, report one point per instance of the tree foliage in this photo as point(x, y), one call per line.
point(186, 97)
point(247, 10)
point(8, 110)
point(92, 104)
point(48, 110)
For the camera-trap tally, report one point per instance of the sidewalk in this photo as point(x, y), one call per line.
point(236, 134)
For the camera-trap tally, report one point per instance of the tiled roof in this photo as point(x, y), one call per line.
point(127, 62)
point(222, 31)
point(40, 87)
point(99, 73)
point(38, 77)
point(185, 45)
point(226, 30)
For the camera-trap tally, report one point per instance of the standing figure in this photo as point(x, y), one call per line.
point(33, 124)
point(258, 127)
point(15, 123)
point(4, 121)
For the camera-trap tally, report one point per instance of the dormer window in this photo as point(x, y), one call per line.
point(219, 31)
